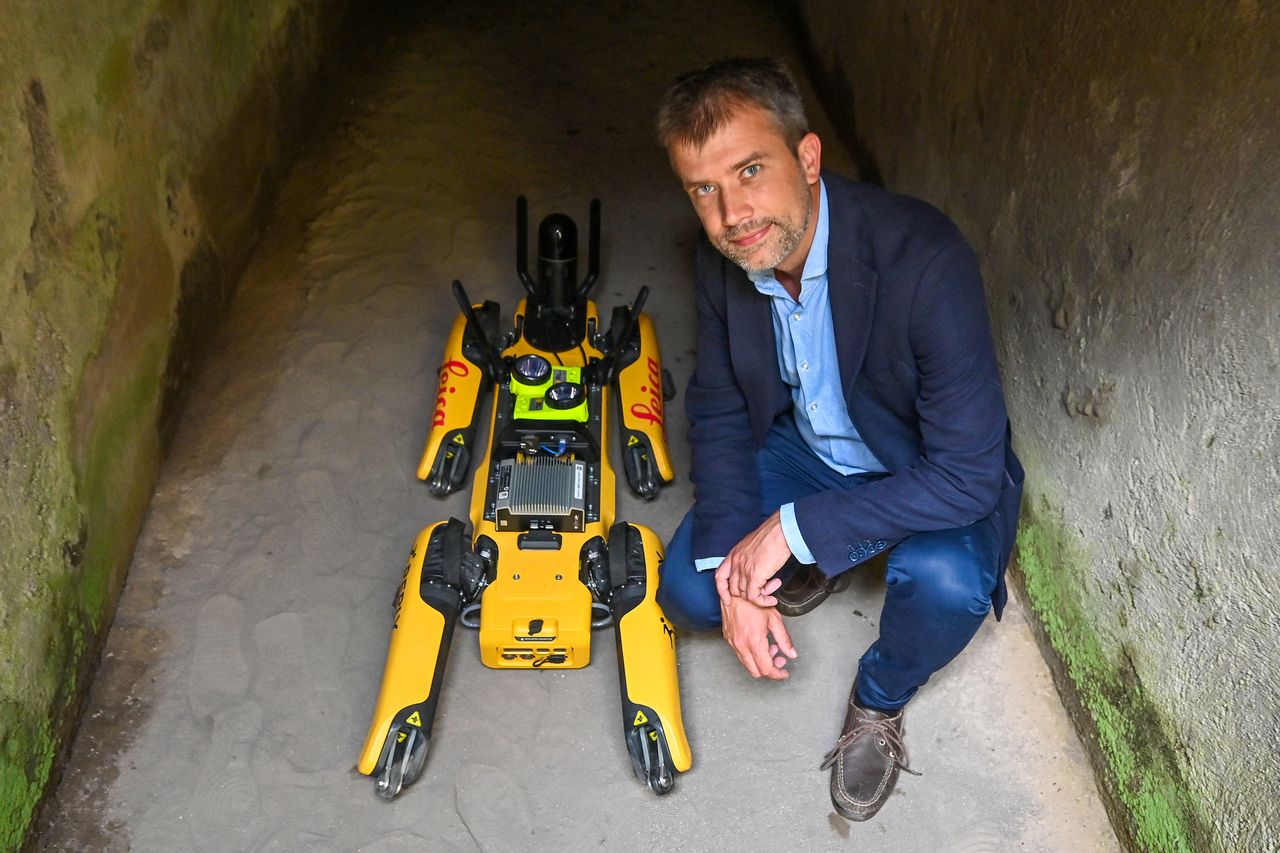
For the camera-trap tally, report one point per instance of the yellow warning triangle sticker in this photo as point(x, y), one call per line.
point(640, 719)
point(653, 735)
point(458, 439)
point(415, 719)
point(401, 736)
point(633, 441)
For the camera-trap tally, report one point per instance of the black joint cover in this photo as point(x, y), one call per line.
point(441, 585)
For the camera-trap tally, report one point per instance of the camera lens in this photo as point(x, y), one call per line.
point(532, 369)
point(565, 395)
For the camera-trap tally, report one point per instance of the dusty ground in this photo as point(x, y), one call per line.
point(242, 667)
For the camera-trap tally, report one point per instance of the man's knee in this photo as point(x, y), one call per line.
point(945, 575)
point(689, 606)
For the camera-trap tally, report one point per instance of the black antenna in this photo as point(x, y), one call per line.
point(473, 323)
point(522, 246)
point(593, 252)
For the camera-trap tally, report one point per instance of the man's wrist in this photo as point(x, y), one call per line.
point(791, 532)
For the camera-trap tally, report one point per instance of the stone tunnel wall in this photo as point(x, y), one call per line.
point(140, 146)
point(1117, 167)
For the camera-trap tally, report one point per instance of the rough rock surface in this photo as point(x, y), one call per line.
point(140, 144)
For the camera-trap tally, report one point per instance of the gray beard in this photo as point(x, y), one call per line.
point(789, 238)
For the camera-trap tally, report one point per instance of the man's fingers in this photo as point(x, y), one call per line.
point(747, 630)
point(764, 653)
point(764, 661)
point(761, 591)
point(763, 595)
point(722, 579)
point(747, 659)
point(778, 630)
point(756, 657)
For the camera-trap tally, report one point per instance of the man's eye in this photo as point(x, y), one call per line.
point(750, 171)
point(705, 189)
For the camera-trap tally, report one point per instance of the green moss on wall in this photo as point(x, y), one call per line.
point(95, 256)
point(110, 94)
point(123, 440)
point(70, 588)
point(1130, 742)
point(25, 762)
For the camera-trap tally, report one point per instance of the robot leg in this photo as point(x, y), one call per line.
point(427, 606)
point(651, 720)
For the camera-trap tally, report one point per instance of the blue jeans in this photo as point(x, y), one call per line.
point(938, 583)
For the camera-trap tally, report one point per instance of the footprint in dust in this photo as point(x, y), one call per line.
point(477, 789)
point(217, 675)
point(326, 524)
point(281, 681)
point(226, 806)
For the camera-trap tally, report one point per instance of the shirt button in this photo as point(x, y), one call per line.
point(804, 365)
point(813, 407)
point(796, 316)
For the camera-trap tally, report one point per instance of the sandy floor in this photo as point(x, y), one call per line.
point(242, 667)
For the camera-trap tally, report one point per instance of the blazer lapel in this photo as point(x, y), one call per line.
point(851, 289)
point(755, 352)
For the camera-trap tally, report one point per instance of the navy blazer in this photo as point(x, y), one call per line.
point(920, 380)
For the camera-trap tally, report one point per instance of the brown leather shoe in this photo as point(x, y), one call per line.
point(806, 589)
point(865, 761)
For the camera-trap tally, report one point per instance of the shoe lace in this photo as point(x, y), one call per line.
point(888, 737)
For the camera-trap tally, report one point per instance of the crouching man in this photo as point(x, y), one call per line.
point(845, 402)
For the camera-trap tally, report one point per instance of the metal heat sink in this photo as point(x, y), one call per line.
point(541, 493)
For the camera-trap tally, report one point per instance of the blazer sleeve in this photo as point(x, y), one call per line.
point(956, 479)
point(726, 487)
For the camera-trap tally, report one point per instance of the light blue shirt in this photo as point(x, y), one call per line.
point(809, 365)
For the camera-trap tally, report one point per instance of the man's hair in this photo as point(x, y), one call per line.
point(701, 102)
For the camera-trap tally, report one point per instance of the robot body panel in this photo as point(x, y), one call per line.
point(642, 401)
point(460, 385)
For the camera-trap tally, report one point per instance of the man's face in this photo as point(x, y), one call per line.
point(755, 196)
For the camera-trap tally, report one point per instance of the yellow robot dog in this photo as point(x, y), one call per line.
point(545, 562)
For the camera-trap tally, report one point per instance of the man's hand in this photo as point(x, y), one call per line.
point(749, 628)
point(748, 570)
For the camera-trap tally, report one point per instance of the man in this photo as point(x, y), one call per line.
point(845, 403)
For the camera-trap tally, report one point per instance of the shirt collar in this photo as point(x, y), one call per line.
point(815, 265)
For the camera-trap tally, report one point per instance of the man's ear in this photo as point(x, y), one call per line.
point(809, 153)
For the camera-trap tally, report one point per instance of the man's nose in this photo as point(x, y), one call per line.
point(735, 208)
